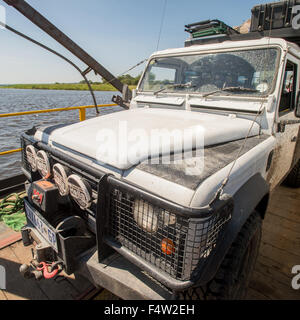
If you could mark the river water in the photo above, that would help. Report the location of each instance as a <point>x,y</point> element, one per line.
<point>16,100</point>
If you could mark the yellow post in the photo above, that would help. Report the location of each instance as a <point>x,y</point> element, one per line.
<point>10,151</point>
<point>14,114</point>
<point>81,109</point>
<point>81,114</point>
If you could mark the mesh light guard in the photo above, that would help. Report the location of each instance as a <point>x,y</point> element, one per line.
<point>194,239</point>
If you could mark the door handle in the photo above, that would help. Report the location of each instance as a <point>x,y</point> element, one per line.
<point>294,139</point>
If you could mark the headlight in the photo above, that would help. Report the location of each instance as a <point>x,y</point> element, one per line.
<point>80,191</point>
<point>31,157</point>
<point>43,164</point>
<point>60,175</point>
<point>145,215</point>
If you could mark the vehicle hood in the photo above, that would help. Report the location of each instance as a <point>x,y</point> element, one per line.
<point>124,139</point>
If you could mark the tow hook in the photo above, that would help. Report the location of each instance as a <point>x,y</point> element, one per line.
<point>40,270</point>
<point>55,268</point>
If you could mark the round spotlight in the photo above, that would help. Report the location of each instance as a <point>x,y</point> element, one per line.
<point>31,157</point>
<point>43,164</point>
<point>145,215</point>
<point>80,191</point>
<point>60,175</point>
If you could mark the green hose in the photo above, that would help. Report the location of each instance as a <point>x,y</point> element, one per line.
<point>12,211</point>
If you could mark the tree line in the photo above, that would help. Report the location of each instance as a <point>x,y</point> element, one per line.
<point>126,78</point>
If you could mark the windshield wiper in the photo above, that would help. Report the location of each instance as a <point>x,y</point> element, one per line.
<point>175,85</point>
<point>230,89</point>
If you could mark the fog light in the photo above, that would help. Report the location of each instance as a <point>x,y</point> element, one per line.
<point>145,215</point>
<point>167,246</point>
<point>31,157</point>
<point>43,164</point>
<point>60,175</point>
<point>80,191</point>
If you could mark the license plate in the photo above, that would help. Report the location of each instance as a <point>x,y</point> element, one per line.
<point>41,225</point>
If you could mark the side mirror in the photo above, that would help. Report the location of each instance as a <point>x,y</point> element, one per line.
<point>283,123</point>
<point>297,108</point>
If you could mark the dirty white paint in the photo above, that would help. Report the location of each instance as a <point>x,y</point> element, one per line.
<point>180,111</point>
<point>284,151</point>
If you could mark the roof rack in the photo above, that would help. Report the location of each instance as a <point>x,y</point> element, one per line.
<point>209,28</point>
<point>273,20</point>
<point>287,34</point>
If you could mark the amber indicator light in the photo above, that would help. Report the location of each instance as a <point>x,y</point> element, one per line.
<point>167,246</point>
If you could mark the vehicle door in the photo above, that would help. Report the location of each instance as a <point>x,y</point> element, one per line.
<point>287,137</point>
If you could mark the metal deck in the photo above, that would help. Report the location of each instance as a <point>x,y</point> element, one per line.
<point>280,248</point>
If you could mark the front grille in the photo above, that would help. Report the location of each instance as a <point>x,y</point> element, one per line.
<point>143,229</point>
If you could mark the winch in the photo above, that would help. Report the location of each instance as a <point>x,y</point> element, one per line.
<point>44,194</point>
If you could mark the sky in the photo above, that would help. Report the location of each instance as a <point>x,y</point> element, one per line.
<point>117,33</point>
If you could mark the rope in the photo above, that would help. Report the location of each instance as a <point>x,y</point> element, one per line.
<point>161,24</point>
<point>108,82</point>
<point>12,211</point>
<point>131,68</point>
<point>225,181</point>
<point>57,54</point>
<point>71,63</point>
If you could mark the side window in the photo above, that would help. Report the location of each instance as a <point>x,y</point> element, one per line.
<point>288,93</point>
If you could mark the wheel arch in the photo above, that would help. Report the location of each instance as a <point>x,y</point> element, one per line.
<point>262,206</point>
<point>253,195</point>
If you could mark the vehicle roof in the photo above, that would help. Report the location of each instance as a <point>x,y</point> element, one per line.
<point>285,45</point>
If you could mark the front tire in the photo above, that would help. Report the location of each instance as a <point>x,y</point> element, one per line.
<point>293,179</point>
<point>232,279</point>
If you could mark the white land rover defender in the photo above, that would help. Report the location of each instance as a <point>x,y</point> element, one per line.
<point>145,219</point>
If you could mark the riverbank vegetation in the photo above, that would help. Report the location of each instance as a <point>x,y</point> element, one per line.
<point>96,86</point>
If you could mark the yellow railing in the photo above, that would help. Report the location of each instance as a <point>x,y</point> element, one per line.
<point>81,109</point>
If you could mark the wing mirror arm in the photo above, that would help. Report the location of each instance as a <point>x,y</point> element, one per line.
<point>123,101</point>
<point>283,123</point>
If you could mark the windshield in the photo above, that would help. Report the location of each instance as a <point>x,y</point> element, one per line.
<point>209,73</point>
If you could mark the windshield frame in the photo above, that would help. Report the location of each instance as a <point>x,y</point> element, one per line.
<point>217,51</point>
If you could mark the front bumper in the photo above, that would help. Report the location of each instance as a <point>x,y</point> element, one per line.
<point>55,245</point>
<point>115,273</point>
<point>121,277</point>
